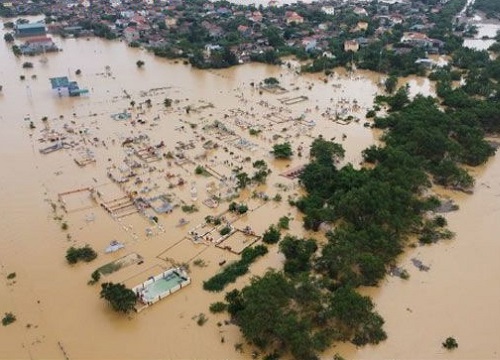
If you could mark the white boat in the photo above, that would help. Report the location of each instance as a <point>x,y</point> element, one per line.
<point>114,246</point>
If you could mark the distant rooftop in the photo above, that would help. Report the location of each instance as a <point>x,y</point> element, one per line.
<point>59,82</point>
<point>30,26</point>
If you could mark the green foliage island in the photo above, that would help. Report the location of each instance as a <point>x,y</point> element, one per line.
<point>374,211</point>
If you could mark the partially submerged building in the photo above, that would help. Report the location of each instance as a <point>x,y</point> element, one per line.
<point>62,86</point>
<point>160,286</point>
<point>38,45</point>
<point>34,29</point>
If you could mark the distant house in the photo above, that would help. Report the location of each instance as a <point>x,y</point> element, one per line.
<point>170,22</point>
<point>210,47</point>
<point>363,42</point>
<point>256,16</point>
<point>362,26</point>
<point>62,86</point>
<point>34,29</point>
<point>417,27</point>
<point>131,34</point>
<point>360,11</point>
<point>351,45</point>
<point>293,17</point>
<point>426,62</point>
<point>244,30</point>
<point>323,26</point>
<point>309,44</point>
<point>416,39</point>
<point>38,45</point>
<point>328,55</point>
<point>329,10</point>
<point>223,11</point>
<point>396,19</point>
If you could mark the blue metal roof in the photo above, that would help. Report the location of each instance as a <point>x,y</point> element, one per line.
<point>30,26</point>
<point>59,82</point>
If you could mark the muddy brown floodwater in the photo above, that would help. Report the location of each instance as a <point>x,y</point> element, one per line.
<point>57,312</point>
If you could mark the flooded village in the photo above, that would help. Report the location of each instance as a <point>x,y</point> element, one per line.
<point>143,167</point>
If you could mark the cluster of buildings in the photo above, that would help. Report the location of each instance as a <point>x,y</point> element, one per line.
<point>246,30</point>
<point>36,40</point>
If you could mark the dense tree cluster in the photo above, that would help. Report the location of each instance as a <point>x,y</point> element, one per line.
<point>438,141</point>
<point>118,296</point>
<point>234,270</point>
<point>374,210</point>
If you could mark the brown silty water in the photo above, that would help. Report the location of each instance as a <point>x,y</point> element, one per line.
<point>52,301</point>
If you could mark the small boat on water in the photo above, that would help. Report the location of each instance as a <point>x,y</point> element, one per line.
<point>114,246</point>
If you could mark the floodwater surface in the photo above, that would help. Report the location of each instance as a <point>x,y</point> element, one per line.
<point>57,311</point>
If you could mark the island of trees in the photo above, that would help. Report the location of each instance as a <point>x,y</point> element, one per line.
<point>376,211</point>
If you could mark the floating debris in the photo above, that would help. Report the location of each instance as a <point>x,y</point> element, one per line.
<point>420,265</point>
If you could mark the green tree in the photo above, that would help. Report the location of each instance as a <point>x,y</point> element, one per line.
<point>140,63</point>
<point>390,84</point>
<point>450,343</point>
<point>118,296</point>
<point>243,180</point>
<point>8,37</point>
<point>282,151</point>
<point>86,253</point>
<point>271,235</point>
<point>271,81</point>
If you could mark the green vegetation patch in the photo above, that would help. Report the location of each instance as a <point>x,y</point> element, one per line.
<point>86,253</point>
<point>234,270</point>
<point>110,268</point>
<point>8,319</point>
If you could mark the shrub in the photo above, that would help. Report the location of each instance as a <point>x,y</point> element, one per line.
<point>450,343</point>
<point>189,208</point>
<point>271,235</point>
<point>231,272</point>
<point>218,307</point>
<point>199,263</point>
<point>282,151</point>
<point>11,276</point>
<point>8,319</point>
<point>242,209</point>
<point>284,222</point>
<point>225,230</point>
<point>202,319</point>
<point>86,253</point>
<point>95,277</point>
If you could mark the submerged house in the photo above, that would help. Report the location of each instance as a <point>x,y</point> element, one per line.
<point>64,87</point>
<point>38,45</point>
<point>26,30</point>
